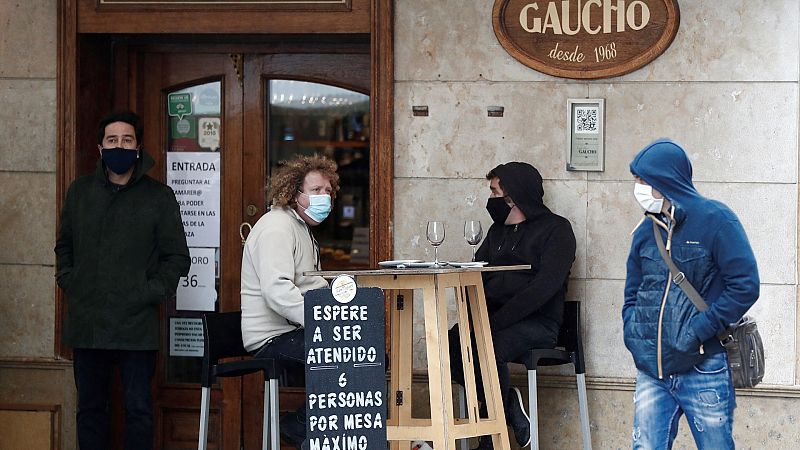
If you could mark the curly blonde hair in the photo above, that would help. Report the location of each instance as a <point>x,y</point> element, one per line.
<point>288,178</point>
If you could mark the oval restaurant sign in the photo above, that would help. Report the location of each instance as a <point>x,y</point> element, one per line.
<point>585,38</point>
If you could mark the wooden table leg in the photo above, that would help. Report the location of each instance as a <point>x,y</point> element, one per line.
<point>486,359</point>
<point>402,313</point>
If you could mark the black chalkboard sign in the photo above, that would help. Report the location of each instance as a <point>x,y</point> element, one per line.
<point>345,370</point>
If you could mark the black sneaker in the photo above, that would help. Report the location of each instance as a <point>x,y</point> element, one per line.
<point>518,418</point>
<point>293,431</point>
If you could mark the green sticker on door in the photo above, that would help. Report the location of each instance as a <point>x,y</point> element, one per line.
<point>180,105</point>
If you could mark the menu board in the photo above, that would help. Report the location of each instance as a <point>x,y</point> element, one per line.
<point>345,367</point>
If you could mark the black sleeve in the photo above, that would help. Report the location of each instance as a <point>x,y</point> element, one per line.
<point>173,259</point>
<point>64,243</point>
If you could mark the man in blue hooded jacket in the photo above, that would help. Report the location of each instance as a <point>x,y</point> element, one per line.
<point>682,367</point>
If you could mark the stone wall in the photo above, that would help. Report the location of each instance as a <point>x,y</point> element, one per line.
<point>27,177</point>
<point>32,381</point>
<point>727,89</point>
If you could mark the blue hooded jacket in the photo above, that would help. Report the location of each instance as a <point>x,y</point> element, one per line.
<point>663,330</point>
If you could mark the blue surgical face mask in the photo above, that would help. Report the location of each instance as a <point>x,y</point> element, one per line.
<point>118,159</point>
<point>319,206</point>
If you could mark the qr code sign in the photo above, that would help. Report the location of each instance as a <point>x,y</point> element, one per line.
<point>586,119</point>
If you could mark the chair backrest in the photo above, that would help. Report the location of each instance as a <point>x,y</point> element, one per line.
<point>222,336</point>
<point>569,336</point>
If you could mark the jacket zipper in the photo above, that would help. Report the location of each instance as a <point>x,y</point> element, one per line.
<point>660,319</point>
<point>659,363</point>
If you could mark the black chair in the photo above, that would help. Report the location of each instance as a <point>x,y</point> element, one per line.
<point>569,350</point>
<point>222,334</point>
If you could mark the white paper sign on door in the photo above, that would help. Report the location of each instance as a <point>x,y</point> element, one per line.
<point>196,291</point>
<point>195,178</point>
<point>186,336</point>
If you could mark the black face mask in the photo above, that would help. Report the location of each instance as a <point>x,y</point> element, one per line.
<point>119,160</point>
<point>498,209</point>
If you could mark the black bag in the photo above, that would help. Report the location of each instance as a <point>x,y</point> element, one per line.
<point>745,353</point>
<point>741,340</point>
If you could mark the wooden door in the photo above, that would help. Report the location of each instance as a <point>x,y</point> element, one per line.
<point>268,77</point>
<point>235,99</point>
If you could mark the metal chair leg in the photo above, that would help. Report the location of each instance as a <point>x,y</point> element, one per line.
<point>266,431</point>
<point>274,434</point>
<point>462,412</point>
<point>533,411</point>
<point>205,405</point>
<point>583,404</point>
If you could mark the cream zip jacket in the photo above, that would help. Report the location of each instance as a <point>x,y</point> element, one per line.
<point>278,250</point>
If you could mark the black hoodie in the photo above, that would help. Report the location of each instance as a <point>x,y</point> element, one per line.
<point>544,240</point>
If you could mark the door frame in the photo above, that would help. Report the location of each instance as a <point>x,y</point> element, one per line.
<point>75,125</point>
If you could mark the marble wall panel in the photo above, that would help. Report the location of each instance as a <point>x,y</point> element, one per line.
<point>28,295</point>
<point>735,40</point>
<point>457,200</point>
<point>28,221</point>
<point>606,354</point>
<point>760,423</point>
<point>732,132</point>
<point>769,216</point>
<point>449,200</point>
<point>452,40</point>
<point>612,213</point>
<point>776,315</point>
<point>458,140</point>
<point>27,129</point>
<point>28,41</point>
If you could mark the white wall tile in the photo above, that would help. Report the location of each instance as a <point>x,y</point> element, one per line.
<point>731,132</point>
<point>459,140</point>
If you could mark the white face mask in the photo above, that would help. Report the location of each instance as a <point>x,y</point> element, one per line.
<point>644,195</point>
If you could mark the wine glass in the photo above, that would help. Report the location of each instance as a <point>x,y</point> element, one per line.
<point>473,233</point>
<point>436,237</point>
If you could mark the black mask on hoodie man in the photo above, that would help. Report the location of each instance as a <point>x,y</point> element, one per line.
<point>498,209</point>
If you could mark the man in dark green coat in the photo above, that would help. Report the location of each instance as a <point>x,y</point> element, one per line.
<point>120,252</point>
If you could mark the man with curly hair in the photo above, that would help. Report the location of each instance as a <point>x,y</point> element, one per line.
<point>279,249</point>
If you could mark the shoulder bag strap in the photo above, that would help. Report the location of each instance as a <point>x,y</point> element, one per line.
<point>677,276</point>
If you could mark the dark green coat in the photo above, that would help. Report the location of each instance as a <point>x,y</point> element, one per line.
<point>119,254</point>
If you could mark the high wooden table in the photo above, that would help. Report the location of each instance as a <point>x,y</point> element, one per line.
<point>443,428</point>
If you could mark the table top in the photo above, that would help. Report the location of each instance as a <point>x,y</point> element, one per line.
<point>413,270</point>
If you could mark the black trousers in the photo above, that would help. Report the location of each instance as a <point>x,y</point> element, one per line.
<point>93,369</point>
<point>509,344</point>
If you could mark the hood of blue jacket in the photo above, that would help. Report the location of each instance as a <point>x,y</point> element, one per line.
<point>664,165</point>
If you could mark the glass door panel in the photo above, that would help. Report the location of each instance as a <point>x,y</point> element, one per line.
<point>313,118</point>
<point>194,132</point>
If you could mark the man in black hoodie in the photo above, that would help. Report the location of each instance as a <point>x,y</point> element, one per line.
<point>526,306</point>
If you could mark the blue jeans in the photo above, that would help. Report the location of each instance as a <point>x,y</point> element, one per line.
<point>93,369</point>
<point>704,393</point>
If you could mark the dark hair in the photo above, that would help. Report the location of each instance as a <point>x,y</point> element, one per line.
<point>128,117</point>
<point>491,175</point>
